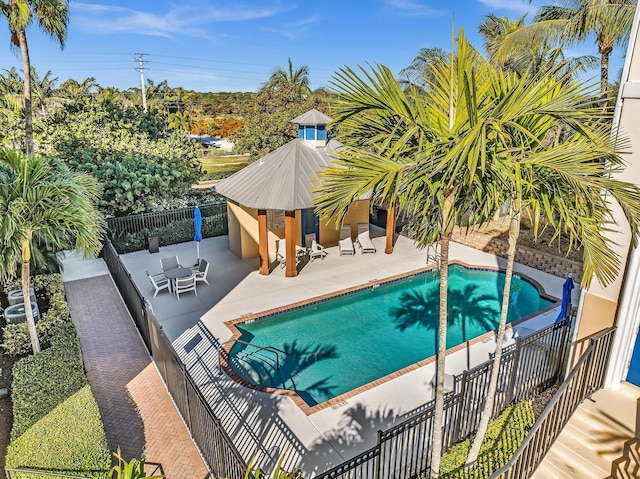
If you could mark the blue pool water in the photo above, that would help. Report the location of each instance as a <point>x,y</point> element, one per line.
<point>331,347</point>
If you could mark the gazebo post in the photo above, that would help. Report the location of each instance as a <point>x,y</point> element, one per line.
<point>290,237</point>
<point>263,246</point>
<point>391,227</point>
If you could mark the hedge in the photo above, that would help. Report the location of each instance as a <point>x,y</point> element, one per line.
<point>57,424</point>
<point>49,291</point>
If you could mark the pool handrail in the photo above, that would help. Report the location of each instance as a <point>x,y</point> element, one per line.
<point>271,349</point>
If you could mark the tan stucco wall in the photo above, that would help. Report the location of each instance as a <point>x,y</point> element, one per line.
<point>234,231</point>
<point>244,240</point>
<point>358,213</point>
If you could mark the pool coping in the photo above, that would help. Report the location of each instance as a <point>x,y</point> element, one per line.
<point>340,399</point>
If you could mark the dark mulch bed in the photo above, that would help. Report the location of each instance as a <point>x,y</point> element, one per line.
<point>541,400</point>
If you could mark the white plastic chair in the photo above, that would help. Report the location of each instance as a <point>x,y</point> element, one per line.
<point>317,250</point>
<point>200,271</point>
<point>281,252</point>
<point>184,285</point>
<point>158,281</point>
<point>345,245</point>
<point>364,240</point>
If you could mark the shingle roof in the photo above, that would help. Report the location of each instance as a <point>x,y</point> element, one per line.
<point>281,180</point>
<point>312,117</point>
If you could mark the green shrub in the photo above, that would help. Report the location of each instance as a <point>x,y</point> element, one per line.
<point>57,424</point>
<point>504,436</point>
<point>70,439</point>
<point>43,381</point>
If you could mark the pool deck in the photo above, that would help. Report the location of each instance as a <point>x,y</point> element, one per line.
<point>265,424</point>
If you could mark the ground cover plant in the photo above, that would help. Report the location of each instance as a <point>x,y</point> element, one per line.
<point>57,424</point>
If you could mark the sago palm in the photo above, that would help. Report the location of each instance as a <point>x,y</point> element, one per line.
<point>40,199</point>
<point>52,16</point>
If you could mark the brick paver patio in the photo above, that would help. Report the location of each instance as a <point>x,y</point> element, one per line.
<point>138,414</point>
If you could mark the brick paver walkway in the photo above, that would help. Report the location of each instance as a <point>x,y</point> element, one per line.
<point>137,411</point>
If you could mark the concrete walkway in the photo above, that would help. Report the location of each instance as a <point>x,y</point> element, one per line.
<point>137,412</point>
<point>600,441</point>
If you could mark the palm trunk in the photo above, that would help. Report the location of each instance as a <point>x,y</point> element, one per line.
<point>28,114</point>
<point>487,412</point>
<point>31,324</point>
<point>604,73</point>
<point>438,415</point>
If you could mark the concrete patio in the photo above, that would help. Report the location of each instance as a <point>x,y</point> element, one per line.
<point>266,424</point>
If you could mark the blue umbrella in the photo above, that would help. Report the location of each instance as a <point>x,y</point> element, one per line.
<point>566,298</point>
<point>197,225</point>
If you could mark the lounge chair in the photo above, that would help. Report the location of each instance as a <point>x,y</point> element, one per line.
<point>182,285</point>
<point>317,250</point>
<point>364,240</point>
<point>169,263</point>
<point>200,271</point>
<point>159,282</point>
<point>345,245</point>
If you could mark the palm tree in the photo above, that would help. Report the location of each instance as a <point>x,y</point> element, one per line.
<point>419,71</point>
<point>181,121</point>
<point>52,16</point>
<point>298,78</point>
<point>43,90</point>
<point>407,145</point>
<point>40,199</point>
<point>530,171</point>
<point>573,21</point>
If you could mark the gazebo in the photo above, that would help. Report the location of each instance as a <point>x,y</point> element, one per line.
<point>273,197</point>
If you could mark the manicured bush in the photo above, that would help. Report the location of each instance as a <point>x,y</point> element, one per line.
<point>57,424</point>
<point>504,436</point>
<point>54,312</point>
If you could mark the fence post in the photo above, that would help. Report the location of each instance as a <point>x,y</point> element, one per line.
<point>514,371</point>
<point>462,393</point>
<point>186,395</point>
<point>376,472</point>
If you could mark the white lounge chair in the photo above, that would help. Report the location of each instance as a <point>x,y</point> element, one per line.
<point>158,281</point>
<point>364,240</point>
<point>201,270</point>
<point>281,252</point>
<point>183,285</point>
<point>345,245</point>
<point>169,263</point>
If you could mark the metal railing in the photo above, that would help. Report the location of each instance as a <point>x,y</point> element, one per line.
<point>271,349</point>
<point>217,449</point>
<point>585,378</point>
<point>530,366</point>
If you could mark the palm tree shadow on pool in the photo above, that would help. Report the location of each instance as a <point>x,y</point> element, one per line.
<point>291,361</point>
<point>465,306</point>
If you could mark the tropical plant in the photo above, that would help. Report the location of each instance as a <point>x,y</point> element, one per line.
<point>394,140</point>
<point>254,472</point>
<point>74,90</point>
<point>298,79</point>
<point>419,71</point>
<point>43,90</point>
<point>133,469</point>
<point>570,22</point>
<point>52,16</point>
<point>39,197</point>
<point>181,121</point>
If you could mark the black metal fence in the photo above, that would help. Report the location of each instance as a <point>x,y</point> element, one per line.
<point>585,378</point>
<point>215,445</point>
<point>131,233</point>
<point>528,367</point>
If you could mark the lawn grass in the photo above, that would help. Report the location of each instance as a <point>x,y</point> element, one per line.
<point>228,163</point>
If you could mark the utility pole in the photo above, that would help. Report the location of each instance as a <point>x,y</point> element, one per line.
<point>141,63</point>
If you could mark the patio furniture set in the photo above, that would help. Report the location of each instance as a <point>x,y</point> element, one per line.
<point>177,279</point>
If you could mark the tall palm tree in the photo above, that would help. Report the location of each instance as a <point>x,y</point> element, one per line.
<point>43,200</point>
<point>52,16</point>
<point>419,71</point>
<point>570,22</point>
<point>404,144</point>
<point>43,90</point>
<point>298,78</point>
<point>530,171</point>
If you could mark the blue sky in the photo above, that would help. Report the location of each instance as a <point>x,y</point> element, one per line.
<point>233,45</point>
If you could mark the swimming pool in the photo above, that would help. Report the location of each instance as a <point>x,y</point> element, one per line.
<point>332,346</point>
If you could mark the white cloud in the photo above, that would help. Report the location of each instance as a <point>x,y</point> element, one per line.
<point>409,7</point>
<point>517,6</point>
<point>178,21</point>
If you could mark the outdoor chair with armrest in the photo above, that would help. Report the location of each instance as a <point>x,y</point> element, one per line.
<point>200,271</point>
<point>183,285</point>
<point>170,262</point>
<point>317,250</point>
<point>158,281</point>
